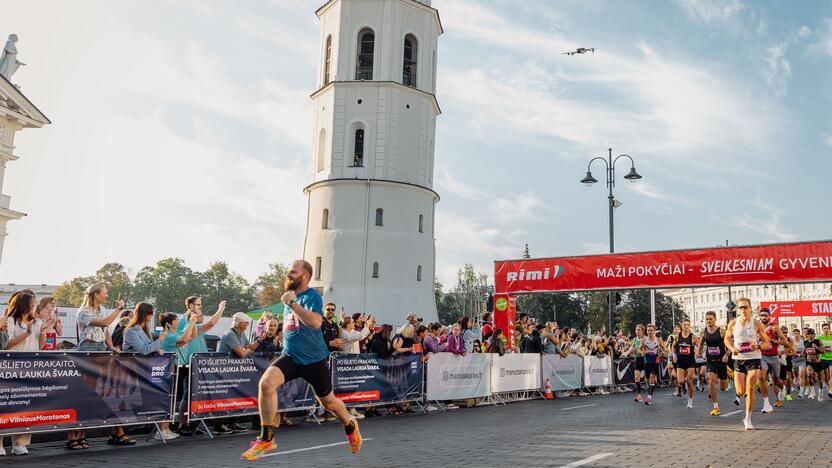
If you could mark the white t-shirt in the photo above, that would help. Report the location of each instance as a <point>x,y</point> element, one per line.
<point>18,329</point>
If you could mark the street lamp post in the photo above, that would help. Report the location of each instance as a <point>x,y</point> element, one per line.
<point>632,176</point>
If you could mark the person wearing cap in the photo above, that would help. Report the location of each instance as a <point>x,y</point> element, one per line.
<point>235,342</point>
<point>413,319</point>
<point>235,339</point>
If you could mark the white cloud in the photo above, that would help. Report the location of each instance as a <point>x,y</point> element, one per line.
<point>594,248</point>
<point>804,31</point>
<point>684,110</point>
<point>649,190</point>
<point>768,224</point>
<point>827,138</point>
<point>824,42</point>
<point>712,12</point>
<point>447,183</point>
<point>158,148</point>
<point>777,70</point>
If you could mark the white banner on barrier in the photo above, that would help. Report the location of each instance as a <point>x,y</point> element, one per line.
<point>597,371</point>
<point>563,373</point>
<point>515,372</point>
<point>453,377</point>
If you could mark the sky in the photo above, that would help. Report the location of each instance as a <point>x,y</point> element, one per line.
<point>184,128</point>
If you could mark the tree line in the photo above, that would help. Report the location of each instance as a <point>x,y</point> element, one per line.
<point>170,281</point>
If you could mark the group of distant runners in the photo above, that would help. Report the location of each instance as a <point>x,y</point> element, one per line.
<point>762,356</point>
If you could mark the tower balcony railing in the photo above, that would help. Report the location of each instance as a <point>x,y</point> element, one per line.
<point>364,73</point>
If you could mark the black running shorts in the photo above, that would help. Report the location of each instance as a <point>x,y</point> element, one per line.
<point>685,364</point>
<point>317,374</point>
<point>639,364</point>
<point>785,369</point>
<point>816,366</point>
<point>746,365</point>
<point>719,368</point>
<point>651,368</point>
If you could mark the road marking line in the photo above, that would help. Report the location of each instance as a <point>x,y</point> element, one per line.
<point>586,460</point>
<point>576,407</point>
<point>732,412</point>
<point>307,449</point>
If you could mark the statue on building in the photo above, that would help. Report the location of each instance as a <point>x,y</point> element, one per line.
<point>8,61</point>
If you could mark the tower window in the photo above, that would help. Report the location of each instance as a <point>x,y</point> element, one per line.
<point>379,217</point>
<point>317,268</point>
<point>325,219</point>
<point>358,154</point>
<point>366,49</point>
<point>328,60</point>
<point>409,61</point>
<point>321,150</point>
<point>419,273</point>
<point>375,269</point>
<point>421,223</point>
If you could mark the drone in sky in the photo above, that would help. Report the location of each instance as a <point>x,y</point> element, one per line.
<point>580,50</point>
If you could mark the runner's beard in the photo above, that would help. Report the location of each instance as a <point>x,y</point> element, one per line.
<point>291,284</point>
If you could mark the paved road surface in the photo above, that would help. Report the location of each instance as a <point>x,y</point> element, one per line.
<point>592,431</point>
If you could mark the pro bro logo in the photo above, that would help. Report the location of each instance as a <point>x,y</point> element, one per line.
<point>535,275</point>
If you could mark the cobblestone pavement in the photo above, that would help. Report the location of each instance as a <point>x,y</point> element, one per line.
<point>597,431</point>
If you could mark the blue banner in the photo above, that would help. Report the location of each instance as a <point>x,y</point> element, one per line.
<point>366,379</point>
<point>50,391</point>
<point>226,385</point>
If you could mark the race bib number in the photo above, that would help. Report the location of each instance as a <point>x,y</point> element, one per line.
<point>810,351</point>
<point>798,353</point>
<point>827,349</point>
<point>651,352</point>
<point>684,350</point>
<point>290,322</point>
<point>714,351</point>
<point>746,347</point>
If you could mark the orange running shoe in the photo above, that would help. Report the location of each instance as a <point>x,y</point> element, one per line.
<point>355,439</point>
<point>778,403</point>
<point>259,448</point>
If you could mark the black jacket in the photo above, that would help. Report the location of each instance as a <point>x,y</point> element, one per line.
<point>533,343</point>
<point>380,346</point>
<point>331,332</point>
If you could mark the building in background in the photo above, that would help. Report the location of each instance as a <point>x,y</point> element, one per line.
<point>16,113</point>
<point>697,301</point>
<point>41,290</point>
<point>370,221</point>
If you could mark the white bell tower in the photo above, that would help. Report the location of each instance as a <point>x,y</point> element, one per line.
<point>370,222</point>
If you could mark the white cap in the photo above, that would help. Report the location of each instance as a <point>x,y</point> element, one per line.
<point>240,317</point>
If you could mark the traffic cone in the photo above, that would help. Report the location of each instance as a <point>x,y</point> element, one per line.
<point>548,394</point>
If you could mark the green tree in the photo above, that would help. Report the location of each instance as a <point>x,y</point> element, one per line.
<point>115,277</point>
<point>597,313</point>
<point>221,284</point>
<point>569,308</point>
<point>71,293</point>
<point>635,309</point>
<point>445,307</point>
<point>167,284</point>
<point>269,285</point>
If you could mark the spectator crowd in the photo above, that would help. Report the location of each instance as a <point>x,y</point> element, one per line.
<point>30,324</point>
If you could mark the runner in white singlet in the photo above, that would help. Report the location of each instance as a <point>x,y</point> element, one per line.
<point>745,337</point>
